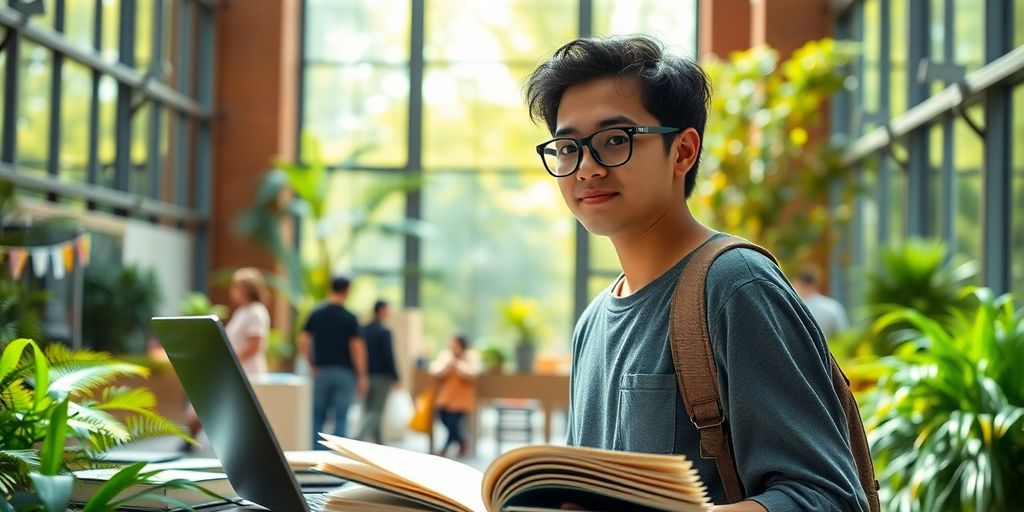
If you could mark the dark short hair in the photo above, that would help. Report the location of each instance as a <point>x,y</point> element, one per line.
<point>379,305</point>
<point>340,284</point>
<point>675,90</point>
<point>462,340</point>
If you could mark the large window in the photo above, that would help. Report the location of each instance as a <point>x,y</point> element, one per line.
<point>499,227</point>
<point>938,177</point>
<point>107,107</point>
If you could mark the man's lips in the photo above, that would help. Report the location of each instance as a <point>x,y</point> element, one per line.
<point>597,196</point>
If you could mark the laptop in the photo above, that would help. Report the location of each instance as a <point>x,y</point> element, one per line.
<point>231,416</point>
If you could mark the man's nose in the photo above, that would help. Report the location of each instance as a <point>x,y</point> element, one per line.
<point>589,166</point>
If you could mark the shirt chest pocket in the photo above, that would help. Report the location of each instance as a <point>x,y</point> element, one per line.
<point>646,419</point>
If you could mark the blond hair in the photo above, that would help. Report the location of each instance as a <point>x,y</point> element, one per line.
<point>252,281</point>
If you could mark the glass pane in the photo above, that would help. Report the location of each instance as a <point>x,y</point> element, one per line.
<point>898,53</point>
<point>869,236</point>
<point>107,129</point>
<point>76,91</point>
<point>139,179</point>
<point>969,40</point>
<point>33,134</point>
<point>111,42</point>
<point>505,235</point>
<point>513,31</point>
<point>1018,24</point>
<point>939,155</point>
<point>597,284</point>
<point>362,210</point>
<point>144,13</point>
<point>357,31</point>
<point>969,208</point>
<point>358,113</point>
<point>673,22</point>
<point>872,63</point>
<point>474,116</point>
<point>896,203</point>
<point>78,22</point>
<point>1017,200</point>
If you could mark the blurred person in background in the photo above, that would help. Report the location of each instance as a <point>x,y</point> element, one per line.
<point>456,369</point>
<point>828,312</point>
<point>337,359</point>
<point>383,375</point>
<point>248,330</point>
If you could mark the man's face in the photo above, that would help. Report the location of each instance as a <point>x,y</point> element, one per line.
<point>622,200</point>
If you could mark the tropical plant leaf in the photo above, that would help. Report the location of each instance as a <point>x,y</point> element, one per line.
<point>946,426</point>
<point>80,379</point>
<point>53,446</point>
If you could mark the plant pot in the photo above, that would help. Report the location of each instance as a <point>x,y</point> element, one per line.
<point>525,353</point>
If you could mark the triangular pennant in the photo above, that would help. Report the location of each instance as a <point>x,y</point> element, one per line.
<point>68,251</point>
<point>17,260</point>
<point>40,261</point>
<point>57,254</point>
<point>83,246</point>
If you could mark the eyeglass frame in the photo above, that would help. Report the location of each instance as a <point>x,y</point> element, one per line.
<point>631,132</point>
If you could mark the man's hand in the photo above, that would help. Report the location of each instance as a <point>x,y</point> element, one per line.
<point>362,384</point>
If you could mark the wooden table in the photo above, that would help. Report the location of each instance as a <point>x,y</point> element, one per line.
<point>550,389</point>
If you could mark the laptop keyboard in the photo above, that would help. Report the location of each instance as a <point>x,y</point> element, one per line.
<point>316,502</point>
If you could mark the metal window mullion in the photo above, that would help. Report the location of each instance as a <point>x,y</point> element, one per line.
<point>53,154</point>
<point>997,236</point>
<point>9,144</point>
<point>857,234</point>
<point>183,78</point>
<point>153,157</point>
<point>414,161</point>
<point>918,196</point>
<point>949,202</point>
<point>92,160</point>
<point>204,144</point>
<point>123,122</point>
<point>884,182</point>
<point>840,121</point>
<point>581,292</point>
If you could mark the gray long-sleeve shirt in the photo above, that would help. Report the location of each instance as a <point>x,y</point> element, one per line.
<point>787,426</point>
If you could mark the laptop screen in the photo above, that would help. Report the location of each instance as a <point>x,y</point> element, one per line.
<point>239,432</point>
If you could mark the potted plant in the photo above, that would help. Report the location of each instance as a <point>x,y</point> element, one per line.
<point>50,396</point>
<point>519,313</point>
<point>493,358</point>
<point>946,421</point>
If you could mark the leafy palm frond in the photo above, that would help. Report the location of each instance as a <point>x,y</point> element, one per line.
<point>14,465</point>
<point>121,398</point>
<point>82,378</point>
<point>96,422</point>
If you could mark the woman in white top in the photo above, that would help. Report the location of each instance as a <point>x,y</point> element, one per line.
<point>249,327</point>
<point>248,331</point>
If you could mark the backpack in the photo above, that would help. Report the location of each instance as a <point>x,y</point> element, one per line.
<point>697,375</point>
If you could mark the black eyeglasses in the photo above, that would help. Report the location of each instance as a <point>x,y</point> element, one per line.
<point>611,147</point>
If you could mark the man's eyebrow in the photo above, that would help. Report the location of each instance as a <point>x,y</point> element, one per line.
<point>604,123</point>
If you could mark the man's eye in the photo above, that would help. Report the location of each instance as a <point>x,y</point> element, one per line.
<point>617,140</point>
<point>567,149</point>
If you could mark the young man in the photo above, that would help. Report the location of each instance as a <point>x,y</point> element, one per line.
<point>336,356</point>
<point>380,356</point>
<point>628,120</point>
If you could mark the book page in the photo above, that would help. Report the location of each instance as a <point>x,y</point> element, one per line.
<point>438,475</point>
<point>359,498</point>
<point>664,481</point>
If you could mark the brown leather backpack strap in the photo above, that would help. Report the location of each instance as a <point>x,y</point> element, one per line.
<point>692,355</point>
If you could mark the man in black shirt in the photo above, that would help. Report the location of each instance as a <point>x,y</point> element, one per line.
<point>383,375</point>
<point>337,358</point>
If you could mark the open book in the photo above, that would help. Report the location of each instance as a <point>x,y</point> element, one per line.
<point>529,478</point>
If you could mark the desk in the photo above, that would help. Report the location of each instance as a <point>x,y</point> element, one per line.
<point>550,389</point>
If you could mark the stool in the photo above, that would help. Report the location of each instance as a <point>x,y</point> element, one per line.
<point>515,422</point>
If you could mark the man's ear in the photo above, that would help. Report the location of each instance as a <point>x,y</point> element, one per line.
<point>687,148</point>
